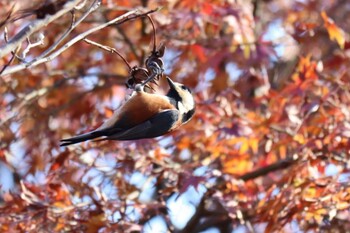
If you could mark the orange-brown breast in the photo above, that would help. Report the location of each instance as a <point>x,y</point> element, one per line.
<point>139,108</point>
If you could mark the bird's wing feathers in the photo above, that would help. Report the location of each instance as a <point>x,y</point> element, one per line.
<point>144,115</point>
<point>137,109</point>
<point>81,138</point>
<point>156,126</point>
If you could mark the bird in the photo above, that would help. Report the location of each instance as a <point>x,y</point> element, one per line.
<point>145,115</point>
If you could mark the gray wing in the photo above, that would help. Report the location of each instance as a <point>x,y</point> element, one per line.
<point>156,126</point>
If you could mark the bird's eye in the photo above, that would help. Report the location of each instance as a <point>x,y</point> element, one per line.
<point>186,89</point>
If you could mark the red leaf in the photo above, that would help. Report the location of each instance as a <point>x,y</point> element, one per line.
<point>59,161</point>
<point>199,52</point>
<point>186,181</point>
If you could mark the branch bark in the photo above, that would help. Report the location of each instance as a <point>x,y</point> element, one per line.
<point>33,27</point>
<point>198,223</point>
<point>119,20</point>
<point>282,164</point>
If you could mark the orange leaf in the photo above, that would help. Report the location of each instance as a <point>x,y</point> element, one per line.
<point>237,166</point>
<point>59,161</point>
<point>254,145</point>
<point>184,143</point>
<point>60,224</point>
<point>199,52</point>
<point>283,151</point>
<point>61,195</point>
<point>159,154</point>
<point>108,112</point>
<point>335,32</point>
<point>299,138</point>
<point>95,223</point>
<point>244,146</point>
<point>207,8</point>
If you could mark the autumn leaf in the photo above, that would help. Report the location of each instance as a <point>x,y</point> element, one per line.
<point>60,159</point>
<point>236,166</point>
<point>199,52</point>
<point>108,112</point>
<point>184,143</point>
<point>335,32</point>
<point>186,181</point>
<point>267,148</point>
<point>246,47</point>
<point>95,223</point>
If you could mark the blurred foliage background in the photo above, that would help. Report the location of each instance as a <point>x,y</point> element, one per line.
<point>268,147</point>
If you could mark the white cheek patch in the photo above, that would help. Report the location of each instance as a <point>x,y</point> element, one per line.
<point>181,107</point>
<point>187,104</point>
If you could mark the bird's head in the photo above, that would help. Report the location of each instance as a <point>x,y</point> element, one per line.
<point>182,98</point>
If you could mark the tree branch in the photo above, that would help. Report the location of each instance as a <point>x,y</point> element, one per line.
<point>219,219</point>
<point>92,8</point>
<point>109,49</point>
<point>282,164</point>
<point>209,213</point>
<point>33,27</point>
<point>119,20</point>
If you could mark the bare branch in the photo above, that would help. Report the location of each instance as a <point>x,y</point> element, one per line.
<point>33,27</point>
<point>282,164</point>
<point>109,49</point>
<point>121,19</point>
<point>6,35</point>
<point>40,41</point>
<point>74,24</point>
<point>154,33</point>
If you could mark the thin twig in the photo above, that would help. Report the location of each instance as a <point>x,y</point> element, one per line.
<point>14,55</point>
<point>33,27</point>
<point>92,8</point>
<point>8,16</point>
<point>40,41</point>
<point>35,94</point>
<point>119,20</point>
<point>154,34</point>
<point>73,19</point>
<point>6,35</point>
<point>7,65</point>
<point>282,164</point>
<point>109,49</point>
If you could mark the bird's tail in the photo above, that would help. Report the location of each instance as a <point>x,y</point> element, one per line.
<point>81,138</point>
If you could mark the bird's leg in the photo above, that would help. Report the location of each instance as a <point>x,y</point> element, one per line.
<point>155,67</point>
<point>139,87</point>
<point>150,78</point>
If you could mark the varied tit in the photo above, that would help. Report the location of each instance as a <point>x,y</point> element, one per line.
<point>145,115</point>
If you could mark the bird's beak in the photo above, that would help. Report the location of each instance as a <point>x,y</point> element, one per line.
<point>171,83</point>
